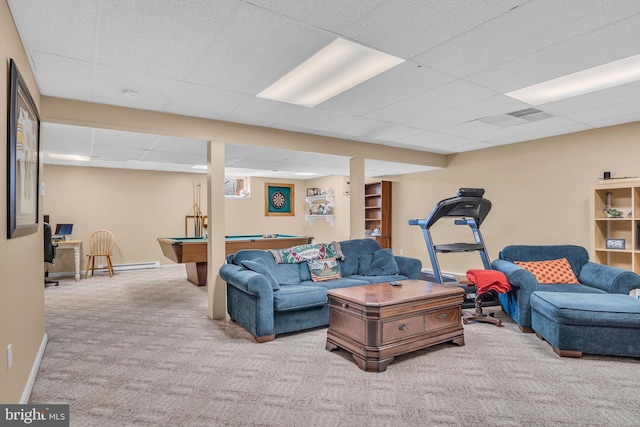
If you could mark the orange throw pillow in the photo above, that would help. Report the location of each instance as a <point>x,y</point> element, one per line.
<point>552,271</point>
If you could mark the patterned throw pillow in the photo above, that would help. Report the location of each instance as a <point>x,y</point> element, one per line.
<point>302,253</point>
<point>324,269</point>
<point>551,271</point>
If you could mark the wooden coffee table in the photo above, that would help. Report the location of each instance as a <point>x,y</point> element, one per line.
<point>377,322</point>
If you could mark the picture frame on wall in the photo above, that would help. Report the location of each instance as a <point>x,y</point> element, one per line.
<point>23,158</point>
<point>279,199</point>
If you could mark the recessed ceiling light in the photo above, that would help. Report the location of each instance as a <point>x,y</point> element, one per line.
<point>336,68</point>
<point>129,93</point>
<point>304,173</point>
<point>72,157</point>
<point>601,77</point>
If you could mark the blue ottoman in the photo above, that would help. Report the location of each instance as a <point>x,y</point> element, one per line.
<point>574,323</point>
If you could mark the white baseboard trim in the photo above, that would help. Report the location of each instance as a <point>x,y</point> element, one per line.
<point>34,371</point>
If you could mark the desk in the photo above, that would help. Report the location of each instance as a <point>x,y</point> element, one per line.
<point>75,245</point>
<point>192,251</point>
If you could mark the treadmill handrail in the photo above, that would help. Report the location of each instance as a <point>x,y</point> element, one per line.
<point>459,207</point>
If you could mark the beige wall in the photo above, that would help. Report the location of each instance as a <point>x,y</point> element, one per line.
<point>21,258</point>
<point>140,206</point>
<point>539,191</point>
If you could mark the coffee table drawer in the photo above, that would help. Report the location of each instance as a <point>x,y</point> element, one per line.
<point>402,328</point>
<point>443,319</point>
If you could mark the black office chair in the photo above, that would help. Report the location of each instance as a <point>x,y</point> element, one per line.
<point>49,253</point>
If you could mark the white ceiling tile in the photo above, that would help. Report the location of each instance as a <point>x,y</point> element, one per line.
<point>443,98</point>
<point>332,15</point>
<point>399,83</point>
<point>630,111</point>
<point>523,30</point>
<point>406,28</point>
<point>171,157</point>
<point>499,104</point>
<point>538,134</point>
<point>63,77</point>
<point>394,133</point>
<point>161,37</point>
<point>543,127</point>
<point>601,98</point>
<point>616,41</point>
<point>180,145</point>
<point>254,49</point>
<point>201,101</point>
<point>74,22</point>
<point>357,127</point>
<point>424,139</point>
<point>314,119</point>
<point>57,134</point>
<point>468,128</point>
<point>452,143</point>
<point>117,153</point>
<point>121,139</point>
<point>153,92</point>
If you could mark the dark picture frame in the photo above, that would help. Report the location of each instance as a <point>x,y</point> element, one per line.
<point>615,244</point>
<point>279,199</point>
<point>23,158</point>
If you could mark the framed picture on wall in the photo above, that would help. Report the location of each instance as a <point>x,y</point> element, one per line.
<point>23,158</point>
<point>279,199</point>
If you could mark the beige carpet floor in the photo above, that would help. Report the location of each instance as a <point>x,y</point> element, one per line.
<point>139,350</point>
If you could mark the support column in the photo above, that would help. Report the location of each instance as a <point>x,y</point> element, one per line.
<point>217,304</point>
<point>356,201</point>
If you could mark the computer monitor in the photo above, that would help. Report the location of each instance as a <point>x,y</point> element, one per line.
<point>64,229</point>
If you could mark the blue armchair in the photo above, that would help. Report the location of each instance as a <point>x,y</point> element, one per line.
<point>593,278</point>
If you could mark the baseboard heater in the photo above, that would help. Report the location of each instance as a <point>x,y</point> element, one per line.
<point>135,266</point>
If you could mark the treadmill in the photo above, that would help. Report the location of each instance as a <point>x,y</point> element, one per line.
<point>470,208</point>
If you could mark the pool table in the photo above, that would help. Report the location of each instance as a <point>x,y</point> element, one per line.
<point>192,251</point>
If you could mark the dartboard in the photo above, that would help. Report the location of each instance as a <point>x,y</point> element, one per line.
<point>278,200</point>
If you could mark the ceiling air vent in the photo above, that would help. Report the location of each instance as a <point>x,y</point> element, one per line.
<point>516,118</point>
<point>530,114</point>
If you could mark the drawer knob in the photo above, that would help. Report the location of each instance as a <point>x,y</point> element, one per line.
<point>404,327</point>
<point>345,305</point>
<point>442,316</point>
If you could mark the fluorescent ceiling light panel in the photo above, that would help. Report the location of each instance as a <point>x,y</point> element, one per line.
<point>72,157</point>
<point>336,68</point>
<point>614,73</point>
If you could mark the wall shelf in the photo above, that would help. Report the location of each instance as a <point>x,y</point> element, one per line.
<point>321,207</point>
<point>377,211</point>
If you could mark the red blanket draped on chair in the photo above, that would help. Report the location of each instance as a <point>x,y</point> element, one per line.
<point>487,280</point>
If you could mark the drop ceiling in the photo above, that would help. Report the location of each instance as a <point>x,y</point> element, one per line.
<point>210,59</point>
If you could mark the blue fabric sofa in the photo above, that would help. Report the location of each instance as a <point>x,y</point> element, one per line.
<point>283,298</point>
<point>593,278</point>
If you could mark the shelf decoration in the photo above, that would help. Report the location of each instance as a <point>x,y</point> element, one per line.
<point>321,206</point>
<point>615,244</point>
